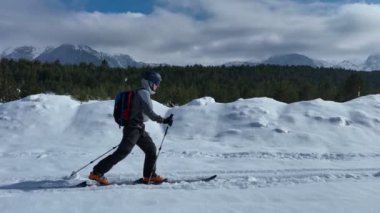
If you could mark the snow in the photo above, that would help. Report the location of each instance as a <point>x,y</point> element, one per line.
<point>311,156</point>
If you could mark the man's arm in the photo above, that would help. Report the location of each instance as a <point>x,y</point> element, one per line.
<point>146,103</point>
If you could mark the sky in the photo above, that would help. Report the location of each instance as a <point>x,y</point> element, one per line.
<point>205,32</point>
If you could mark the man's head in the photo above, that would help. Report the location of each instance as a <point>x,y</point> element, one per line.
<point>151,81</point>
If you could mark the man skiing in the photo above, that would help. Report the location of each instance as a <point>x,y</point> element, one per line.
<point>134,133</point>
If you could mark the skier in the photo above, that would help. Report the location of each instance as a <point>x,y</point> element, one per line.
<point>134,133</point>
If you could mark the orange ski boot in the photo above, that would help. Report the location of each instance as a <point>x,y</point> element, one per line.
<point>155,179</point>
<point>98,178</point>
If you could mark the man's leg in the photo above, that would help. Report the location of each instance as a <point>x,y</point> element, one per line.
<point>146,144</point>
<point>130,137</point>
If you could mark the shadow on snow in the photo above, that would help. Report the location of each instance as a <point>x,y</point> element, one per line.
<point>38,185</point>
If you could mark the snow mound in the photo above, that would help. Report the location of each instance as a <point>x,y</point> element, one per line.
<point>202,101</point>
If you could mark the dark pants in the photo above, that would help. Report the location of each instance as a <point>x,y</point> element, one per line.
<point>131,136</point>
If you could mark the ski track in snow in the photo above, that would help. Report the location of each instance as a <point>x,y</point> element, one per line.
<point>227,179</point>
<point>231,155</point>
<point>239,179</point>
<point>277,155</point>
<point>269,178</point>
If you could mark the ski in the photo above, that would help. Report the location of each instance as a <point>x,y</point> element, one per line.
<point>203,179</point>
<point>140,181</point>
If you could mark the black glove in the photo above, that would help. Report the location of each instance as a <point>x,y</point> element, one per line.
<point>168,120</point>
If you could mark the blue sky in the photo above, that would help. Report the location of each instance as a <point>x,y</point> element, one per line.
<point>206,32</point>
<point>146,6</point>
<point>124,6</point>
<point>111,6</point>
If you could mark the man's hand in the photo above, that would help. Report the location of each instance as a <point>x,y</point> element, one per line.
<point>168,120</point>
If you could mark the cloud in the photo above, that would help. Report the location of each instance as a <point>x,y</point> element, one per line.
<point>201,31</point>
<point>357,26</point>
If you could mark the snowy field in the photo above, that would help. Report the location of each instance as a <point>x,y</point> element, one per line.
<point>314,156</point>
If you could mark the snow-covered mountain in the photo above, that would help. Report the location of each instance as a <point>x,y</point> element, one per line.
<point>76,54</point>
<point>240,63</point>
<point>123,60</point>
<point>348,65</point>
<point>71,54</point>
<point>24,52</point>
<point>291,59</point>
<point>372,63</point>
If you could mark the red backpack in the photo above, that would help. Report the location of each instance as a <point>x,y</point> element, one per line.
<point>123,107</point>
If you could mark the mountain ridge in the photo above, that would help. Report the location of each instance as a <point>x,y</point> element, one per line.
<point>372,63</point>
<point>71,54</point>
<point>76,54</point>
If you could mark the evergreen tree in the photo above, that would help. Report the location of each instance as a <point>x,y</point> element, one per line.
<point>352,86</point>
<point>182,84</point>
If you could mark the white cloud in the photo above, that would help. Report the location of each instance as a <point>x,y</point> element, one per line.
<point>201,31</point>
<point>358,27</point>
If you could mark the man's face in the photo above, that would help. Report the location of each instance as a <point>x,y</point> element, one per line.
<point>155,86</point>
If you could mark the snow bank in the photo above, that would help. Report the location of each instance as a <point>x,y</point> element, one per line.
<point>269,156</point>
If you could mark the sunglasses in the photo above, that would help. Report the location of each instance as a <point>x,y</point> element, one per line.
<point>156,83</point>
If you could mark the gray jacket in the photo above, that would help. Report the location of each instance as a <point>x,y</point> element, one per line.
<point>142,109</point>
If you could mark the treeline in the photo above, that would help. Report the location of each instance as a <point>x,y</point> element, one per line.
<point>182,84</point>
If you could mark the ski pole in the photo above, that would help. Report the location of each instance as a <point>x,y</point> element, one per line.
<point>158,154</point>
<point>75,172</point>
